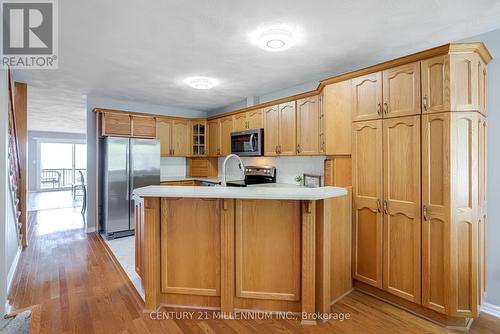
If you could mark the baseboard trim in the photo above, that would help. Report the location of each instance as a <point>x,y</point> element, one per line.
<point>491,309</point>
<point>13,268</point>
<point>90,229</point>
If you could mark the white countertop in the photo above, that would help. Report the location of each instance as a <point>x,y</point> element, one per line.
<point>269,191</point>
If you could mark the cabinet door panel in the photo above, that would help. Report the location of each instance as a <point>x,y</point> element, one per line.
<point>226,127</point>
<point>240,122</point>
<point>401,152</point>
<point>116,124</point>
<point>271,129</point>
<point>254,119</point>
<point>402,91</point>
<point>367,186</point>
<point>464,82</point>
<point>436,210</point>
<point>164,134</point>
<point>482,87</point>
<point>143,126</point>
<point>436,84</point>
<point>308,126</point>
<point>214,138</point>
<point>181,138</point>
<point>367,97</point>
<point>287,131</point>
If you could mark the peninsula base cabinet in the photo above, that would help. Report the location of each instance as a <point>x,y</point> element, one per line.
<point>432,253</point>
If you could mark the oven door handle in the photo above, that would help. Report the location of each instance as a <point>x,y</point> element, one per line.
<point>253,142</point>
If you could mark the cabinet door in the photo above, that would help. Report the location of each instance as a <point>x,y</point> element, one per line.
<point>254,119</point>
<point>401,91</point>
<point>435,84</point>
<point>464,82</point>
<point>240,122</point>
<point>181,138</point>
<point>214,138</point>
<point>143,126</point>
<point>367,186</point>
<point>482,203</point>
<point>435,210</point>
<point>337,110</point>
<point>308,126</point>
<point>287,132</point>
<point>116,124</point>
<point>401,205</point>
<point>367,97</point>
<point>483,88</point>
<point>164,134</point>
<point>226,127</point>
<point>271,127</point>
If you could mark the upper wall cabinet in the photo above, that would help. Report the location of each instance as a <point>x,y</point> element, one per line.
<point>392,93</point>
<point>456,82</point>
<point>143,126</point>
<point>226,127</point>
<point>335,119</point>
<point>308,123</point>
<point>401,91</point>
<point>271,128</point>
<point>174,136</point>
<point>248,120</point>
<point>367,97</point>
<point>214,137</point>
<point>164,134</point>
<point>116,124</point>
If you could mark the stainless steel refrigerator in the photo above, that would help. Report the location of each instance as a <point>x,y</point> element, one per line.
<point>125,164</point>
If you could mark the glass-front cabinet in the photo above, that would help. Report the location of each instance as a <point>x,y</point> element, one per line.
<point>199,140</point>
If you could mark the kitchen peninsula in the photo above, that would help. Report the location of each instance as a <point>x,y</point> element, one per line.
<point>244,248</point>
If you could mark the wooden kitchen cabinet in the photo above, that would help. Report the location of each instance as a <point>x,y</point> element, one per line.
<point>482,192</point>
<point>164,134</point>
<point>202,167</point>
<point>367,176</point>
<point>248,120</point>
<point>367,97</point>
<point>116,124</point>
<point>401,91</point>
<point>401,207</point>
<point>271,129</point>
<point>181,138</point>
<point>143,126</point>
<point>226,127</point>
<point>214,136</point>
<point>335,119</point>
<point>482,87</point>
<point>240,122</point>
<point>308,126</point>
<point>139,236</point>
<point>435,84</point>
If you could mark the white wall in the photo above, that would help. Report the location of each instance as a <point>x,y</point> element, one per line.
<point>8,238</point>
<point>100,102</point>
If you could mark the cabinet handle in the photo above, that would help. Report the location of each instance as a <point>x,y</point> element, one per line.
<point>378,206</point>
<point>379,109</point>
<point>298,148</point>
<point>385,207</point>
<point>276,149</point>
<point>279,149</point>
<point>386,108</point>
<point>425,102</point>
<point>424,209</point>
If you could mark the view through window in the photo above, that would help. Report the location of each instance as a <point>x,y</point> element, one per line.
<point>60,164</point>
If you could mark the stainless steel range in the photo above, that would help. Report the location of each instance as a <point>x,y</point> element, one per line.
<point>255,175</point>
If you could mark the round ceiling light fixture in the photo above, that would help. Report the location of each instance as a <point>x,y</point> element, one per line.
<point>201,82</point>
<point>275,40</point>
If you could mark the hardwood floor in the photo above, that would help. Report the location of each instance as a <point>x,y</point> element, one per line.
<point>71,277</point>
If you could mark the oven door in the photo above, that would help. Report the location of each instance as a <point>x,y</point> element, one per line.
<point>247,143</point>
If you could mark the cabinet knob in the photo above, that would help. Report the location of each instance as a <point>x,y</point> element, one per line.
<point>379,109</point>
<point>425,102</point>
<point>298,148</point>
<point>424,210</point>
<point>386,108</point>
<point>378,206</point>
<point>385,207</point>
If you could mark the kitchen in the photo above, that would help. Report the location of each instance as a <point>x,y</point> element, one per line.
<point>248,174</point>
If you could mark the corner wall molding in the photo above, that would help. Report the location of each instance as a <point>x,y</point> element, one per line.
<point>491,309</point>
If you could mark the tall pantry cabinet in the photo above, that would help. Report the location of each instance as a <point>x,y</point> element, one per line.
<point>419,180</point>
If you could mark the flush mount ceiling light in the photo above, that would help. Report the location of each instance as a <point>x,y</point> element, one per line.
<point>201,82</point>
<point>277,37</point>
<point>276,40</point>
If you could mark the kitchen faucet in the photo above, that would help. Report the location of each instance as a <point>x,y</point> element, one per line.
<point>240,165</point>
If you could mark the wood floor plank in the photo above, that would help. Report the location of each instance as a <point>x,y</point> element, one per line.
<point>78,287</point>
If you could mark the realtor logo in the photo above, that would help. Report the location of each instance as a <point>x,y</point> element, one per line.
<point>29,34</point>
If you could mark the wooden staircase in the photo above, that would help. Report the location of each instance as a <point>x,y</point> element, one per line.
<point>18,197</point>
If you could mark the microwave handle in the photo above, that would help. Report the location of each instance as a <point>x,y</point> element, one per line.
<point>253,142</point>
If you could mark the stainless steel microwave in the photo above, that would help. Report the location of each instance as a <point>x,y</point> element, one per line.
<point>248,143</point>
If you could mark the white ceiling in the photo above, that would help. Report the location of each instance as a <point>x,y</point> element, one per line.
<point>142,50</point>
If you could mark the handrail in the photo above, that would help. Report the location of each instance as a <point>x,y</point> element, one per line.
<point>13,127</point>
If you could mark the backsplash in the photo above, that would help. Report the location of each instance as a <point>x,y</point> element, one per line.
<point>287,167</point>
<point>172,166</point>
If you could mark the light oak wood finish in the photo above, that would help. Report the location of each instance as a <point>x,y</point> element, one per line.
<point>401,91</point>
<point>226,127</point>
<point>335,125</point>
<point>436,84</point>
<point>308,126</point>
<point>482,192</point>
<point>240,122</point>
<point>401,207</point>
<point>287,132</point>
<point>265,227</point>
<point>139,236</point>
<point>227,255</point>
<point>482,86</point>
<point>367,176</point>
<point>464,82</point>
<point>92,294</point>
<point>202,167</point>
<point>308,276</point>
<point>151,272</point>
<point>338,171</point>
<point>143,126</point>
<point>116,124</point>
<point>255,119</point>
<point>190,246</point>
<point>181,138</point>
<point>271,130</point>
<point>367,97</point>
<point>199,138</point>
<point>21,116</point>
<point>214,138</point>
<point>164,134</point>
